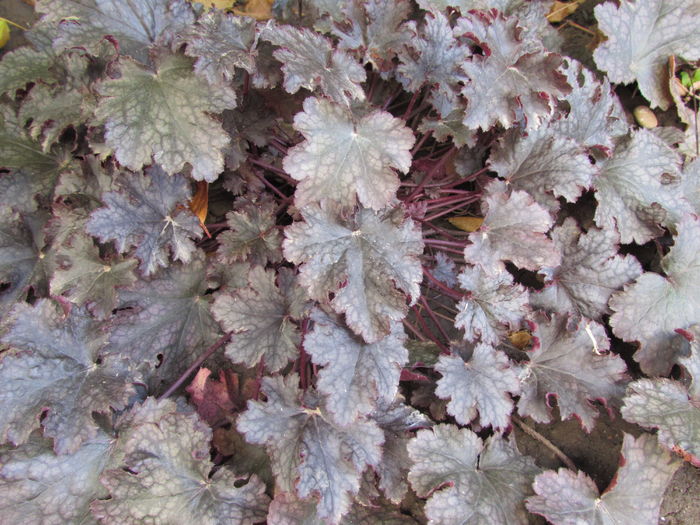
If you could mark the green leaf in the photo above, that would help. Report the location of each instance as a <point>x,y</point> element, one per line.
<point>164,117</point>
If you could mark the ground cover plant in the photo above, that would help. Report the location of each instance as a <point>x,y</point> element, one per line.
<point>312,262</point>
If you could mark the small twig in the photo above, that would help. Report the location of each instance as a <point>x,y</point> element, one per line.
<point>547,443</point>
<point>194,366</point>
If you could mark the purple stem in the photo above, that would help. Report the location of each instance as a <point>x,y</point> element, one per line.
<point>206,355</point>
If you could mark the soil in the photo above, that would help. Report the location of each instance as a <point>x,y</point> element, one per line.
<point>597,453</point>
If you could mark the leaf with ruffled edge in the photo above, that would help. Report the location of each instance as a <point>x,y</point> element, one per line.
<point>30,63</point>
<point>310,454</point>
<point>136,26</point>
<point>641,36</point>
<point>494,304</point>
<point>309,61</point>
<point>375,30</point>
<point>85,278</point>
<point>39,486</point>
<point>369,260</point>
<point>638,189</point>
<point>671,406</point>
<point>544,164</point>
<point>654,306</point>
<point>514,229</point>
<point>260,317</point>
<point>148,213</point>
<point>591,271</point>
<point>355,375</point>
<point>478,385</point>
<point>514,81</point>
<point>252,235</point>
<point>634,496</point>
<point>164,321</point>
<point>433,56</point>
<point>347,154</point>
<point>468,481</point>
<point>59,364</point>
<point>166,477</point>
<point>164,117</point>
<point>573,365</point>
<point>221,43</point>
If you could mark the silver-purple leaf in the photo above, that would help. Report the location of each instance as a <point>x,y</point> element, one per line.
<point>310,454</point>
<point>309,61</point>
<point>165,477</point>
<point>640,37</point>
<point>468,481</point>
<point>514,229</point>
<point>136,26</point>
<point>544,164</point>
<point>654,306</point>
<point>147,213</point>
<point>568,498</point>
<point>369,260</point>
<point>261,318</point>
<point>573,365</point>
<point>39,486</point>
<point>221,43</point>
<point>638,188</point>
<point>356,376</point>
<point>479,386</point>
<point>348,156</point>
<point>514,81</point>
<point>591,271</point>
<point>494,304</point>
<point>57,365</point>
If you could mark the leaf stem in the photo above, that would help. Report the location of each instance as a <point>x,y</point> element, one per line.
<point>547,443</point>
<point>454,294</point>
<point>194,366</point>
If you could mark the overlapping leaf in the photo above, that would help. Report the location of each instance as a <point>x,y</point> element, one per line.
<point>641,36</point>
<point>164,321</point>
<point>468,481</point>
<point>571,364</point>
<point>433,56</point>
<point>348,154</point>
<point>221,43</point>
<point>544,164</point>
<point>670,406</point>
<point>163,116</point>
<point>492,306</point>
<point>590,271</point>
<point>654,306</point>
<point>261,317</point>
<point>252,236</point>
<point>310,454</point>
<point>166,476</point>
<point>85,278</point>
<point>356,376</point>
<point>375,30</point>
<point>514,81</point>
<point>514,229</point>
<point>309,61</point>
<point>478,384</point>
<point>148,214</point>
<point>136,26</point>
<point>368,260</point>
<point>634,496</point>
<point>638,188</point>
<point>29,63</point>
<point>59,364</point>
<point>39,486</point>
<point>397,420</point>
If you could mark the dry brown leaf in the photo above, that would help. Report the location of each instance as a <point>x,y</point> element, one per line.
<point>467,224</point>
<point>560,10</point>
<point>258,9</point>
<point>520,339</point>
<point>199,204</point>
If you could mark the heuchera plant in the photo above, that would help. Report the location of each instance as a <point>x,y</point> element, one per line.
<point>343,218</point>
